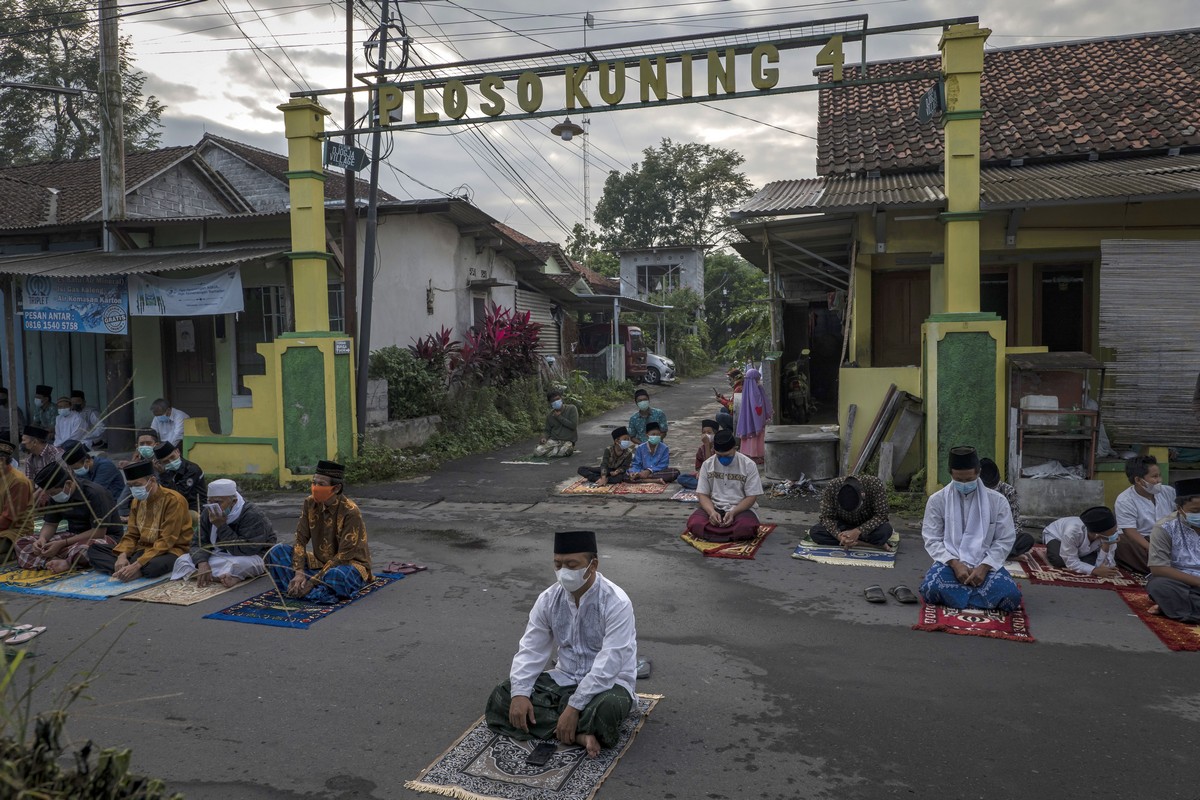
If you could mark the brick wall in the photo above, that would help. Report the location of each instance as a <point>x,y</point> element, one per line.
<point>263,191</point>
<point>179,192</point>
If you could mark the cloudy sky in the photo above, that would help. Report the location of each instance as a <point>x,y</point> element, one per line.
<point>224,65</point>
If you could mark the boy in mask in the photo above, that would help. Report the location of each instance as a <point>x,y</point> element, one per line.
<point>1174,584</point>
<point>562,428</point>
<point>1138,508</point>
<point>181,475</point>
<point>652,459</point>
<point>159,530</point>
<point>589,691</point>
<point>87,509</point>
<point>96,469</point>
<point>644,416</point>
<point>340,561</point>
<point>615,463</point>
<point>708,429</point>
<point>727,488</point>
<point>1086,544</point>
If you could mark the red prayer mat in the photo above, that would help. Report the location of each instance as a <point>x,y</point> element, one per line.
<point>1039,570</point>
<point>1174,634</point>
<point>975,622</point>
<point>743,549</point>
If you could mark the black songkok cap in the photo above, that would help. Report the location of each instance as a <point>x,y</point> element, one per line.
<point>617,433</point>
<point>574,542</point>
<point>138,469</point>
<point>331,469</point>
<point>653,426</point>
<point>849,496</point>
<point>1099,519</point>
<point>989,472</point>
<point>76,393</point>
<point>963,458</point>
<point>73,452</point>
<point>50,476</point>
<point>44,391</point>
<point>36,432</point>
<point>163,450</point>
<point>724,440</point>
<point>710,423</point>
<point>1185,488</point>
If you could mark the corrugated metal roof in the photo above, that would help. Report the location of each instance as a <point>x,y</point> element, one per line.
<point>1000,187</point>
<point>130,262</point>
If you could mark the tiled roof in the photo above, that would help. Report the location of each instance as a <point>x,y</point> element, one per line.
<point>598,283</point>
<point>1119,95</point>
<point>567,280</point>
<point>22,200</point>
<point>1115,179</point>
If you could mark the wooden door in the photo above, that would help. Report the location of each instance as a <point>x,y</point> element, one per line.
<point>899,305</point>
<point>190,367</point>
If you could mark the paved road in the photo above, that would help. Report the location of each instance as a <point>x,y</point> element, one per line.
<point>780,681</point>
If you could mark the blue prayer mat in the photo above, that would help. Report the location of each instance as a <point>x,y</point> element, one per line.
<point>272,607</point>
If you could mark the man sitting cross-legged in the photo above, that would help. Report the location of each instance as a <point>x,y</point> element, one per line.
<point>589,620</point>
<point>616,461</point>
<point>968,531</point>
<point>340,561</point>
<point>727,489</point>
<point>708,429</point>
<point>159,529</point>
<point>231,540</point>
<point>1086,544</point>
<point>652,459</point>
<point>854,511</point>
<point>89,512</point>
<point>1174,584</point>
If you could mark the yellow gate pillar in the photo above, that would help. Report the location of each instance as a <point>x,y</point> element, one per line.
<point>963,360</point>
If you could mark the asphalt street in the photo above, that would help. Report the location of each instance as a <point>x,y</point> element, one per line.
<point>780,681</point>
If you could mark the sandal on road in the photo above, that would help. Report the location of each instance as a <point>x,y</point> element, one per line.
<point>22,636</point>
<point>874,594</point>
<point>903,595</point>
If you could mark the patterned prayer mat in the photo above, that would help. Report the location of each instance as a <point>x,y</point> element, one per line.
<point>640,488</point>
<point>975,622</point>
<point>584,486</point>
<point>542,460</point>
<point>1039,570</point>
<point>91,585</point>
<point>861,556</point>
<point>484,766</point>
<point>14,578</point>
<point>1174,634</point>
<point>274,608</point>
<point>743,549</point>
<point>686,496</point>
<point>183,593</point>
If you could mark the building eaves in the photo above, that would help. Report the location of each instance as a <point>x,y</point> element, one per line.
<point>131,262</point>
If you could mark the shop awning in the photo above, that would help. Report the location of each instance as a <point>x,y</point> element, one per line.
<point>131,262</point>
<point>815,248</point>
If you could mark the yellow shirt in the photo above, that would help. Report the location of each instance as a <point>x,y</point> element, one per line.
<point>158,525</point>
<point>16,503</point>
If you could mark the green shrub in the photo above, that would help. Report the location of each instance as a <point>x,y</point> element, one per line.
<point>414,389</point>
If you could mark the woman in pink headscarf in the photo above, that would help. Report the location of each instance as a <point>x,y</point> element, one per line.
<point>753,416</point>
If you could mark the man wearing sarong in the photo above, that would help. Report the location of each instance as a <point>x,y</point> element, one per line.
<point>589,620</point>
<point>968,531</point>
<point>231,541</point>
<point>854,511</point>
<point>708,429</point>
<point>652,459</point>
<point>1174,584</point>
<point>1086,544</point>
<point>562,428</point>
<point>89,512</point>
<point>1138,508</point>
<point>16,501</point>
<point>645,415</point>
<point>159,529</point>
<point>727,489</point>
<point>182,475</point>
<point>339,563</point>
<point>989,473</point>
<point>616,461</point>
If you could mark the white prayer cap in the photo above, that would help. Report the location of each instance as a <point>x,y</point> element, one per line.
<point>222,487</point>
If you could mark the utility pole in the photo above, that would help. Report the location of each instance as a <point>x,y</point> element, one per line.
<point>112,123</point>
<point>350,212</point>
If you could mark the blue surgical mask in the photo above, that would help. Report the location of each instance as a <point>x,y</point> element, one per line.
<point>643,404</point>
<point>139,492</point>
<point>556,405</point>
<point>146,451</point>
<point>1113,538</point>
<point>61,497</point>
<point>164,418</point>
<point>81,471</point>
<point>1192,517</point>
<point>725,460</point>
<point>176,464</point>
<point>653,438</point>
<point>625,444</point>
<point>966,487</point>
<point>62,412</point>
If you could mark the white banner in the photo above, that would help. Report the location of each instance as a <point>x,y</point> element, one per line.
<point>155,296</point>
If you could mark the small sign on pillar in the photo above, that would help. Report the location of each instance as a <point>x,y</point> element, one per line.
<point>931,104</point>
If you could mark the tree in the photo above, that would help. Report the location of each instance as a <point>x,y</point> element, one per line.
<point>56,42</point>
<point>732,285</point>
<point>584,247</point>
<point>678,194</point>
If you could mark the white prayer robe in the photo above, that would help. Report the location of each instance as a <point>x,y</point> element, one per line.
<point>172,430</point>
<point>597,642</point>
<point>984,537</point>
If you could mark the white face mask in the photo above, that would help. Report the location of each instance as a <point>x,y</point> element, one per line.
<point>708,437</point>
<point>1152,488</point>
<point>571,579</point>
<point>625,444</point>
<point>61,497</point>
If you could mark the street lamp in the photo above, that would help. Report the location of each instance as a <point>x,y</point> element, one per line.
<point>567,129</point>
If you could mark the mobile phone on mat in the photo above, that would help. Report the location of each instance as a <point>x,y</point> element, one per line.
<point>541,754</point>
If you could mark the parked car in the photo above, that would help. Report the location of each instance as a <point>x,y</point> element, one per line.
<point>659,369</point>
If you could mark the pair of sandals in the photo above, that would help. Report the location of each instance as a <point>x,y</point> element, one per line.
<point>405,567</point>
<point>903,594</point>
<point>20,634</point>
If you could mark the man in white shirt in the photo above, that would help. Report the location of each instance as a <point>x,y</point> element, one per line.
<point>167,422</point>
<point>1085,544</point>
<point>1138,508</point>
<point>68,425</point>
<point>91,419</point>
<point>590,690</point>
<point>1174,583</point>
<point>727,486</point>
<point>968,531</point>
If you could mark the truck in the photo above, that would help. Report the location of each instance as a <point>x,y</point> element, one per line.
<point>596,337</point>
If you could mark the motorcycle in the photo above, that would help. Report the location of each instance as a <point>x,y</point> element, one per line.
<point>798,389</point>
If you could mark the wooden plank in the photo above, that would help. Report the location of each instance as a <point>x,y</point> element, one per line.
<point>849,437</point>
<point>885,462</point>
<point>861,461</point>
<point>886,414</point>
<point>908,425</point>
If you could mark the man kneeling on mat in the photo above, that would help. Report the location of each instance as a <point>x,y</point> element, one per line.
<point>1174,560</point>
<point>1086,544</point>
<point>968,531</point>
<point>590,690</point>
<point>854,511</point>
<point>727,487</point>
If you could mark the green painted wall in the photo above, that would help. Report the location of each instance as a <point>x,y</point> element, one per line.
<point>147,366</point>
<point>345,434</point>
<point>966,390</point>
<point>304,428</point>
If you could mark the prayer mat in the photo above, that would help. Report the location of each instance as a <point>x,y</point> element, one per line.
<point>1174,634</point>
<point>14,578</point>
<point>743,549</point>
<point>1039,570</point>
<point>584,486</point>
<point>92,585</point>
<point>861,556</point>
<point>183,592</point>
<point>976,622</point>
<point>640,488</point>
<point>272,607</point>
<point>1016,569</point>
<point>542,460</point>
<point>482,765</point>
<point>686,496</point>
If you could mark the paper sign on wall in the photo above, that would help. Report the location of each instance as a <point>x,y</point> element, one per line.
<point>155,296</point>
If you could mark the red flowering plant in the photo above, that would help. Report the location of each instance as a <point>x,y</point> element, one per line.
<point>500,349</point>
<point>438,350</point>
